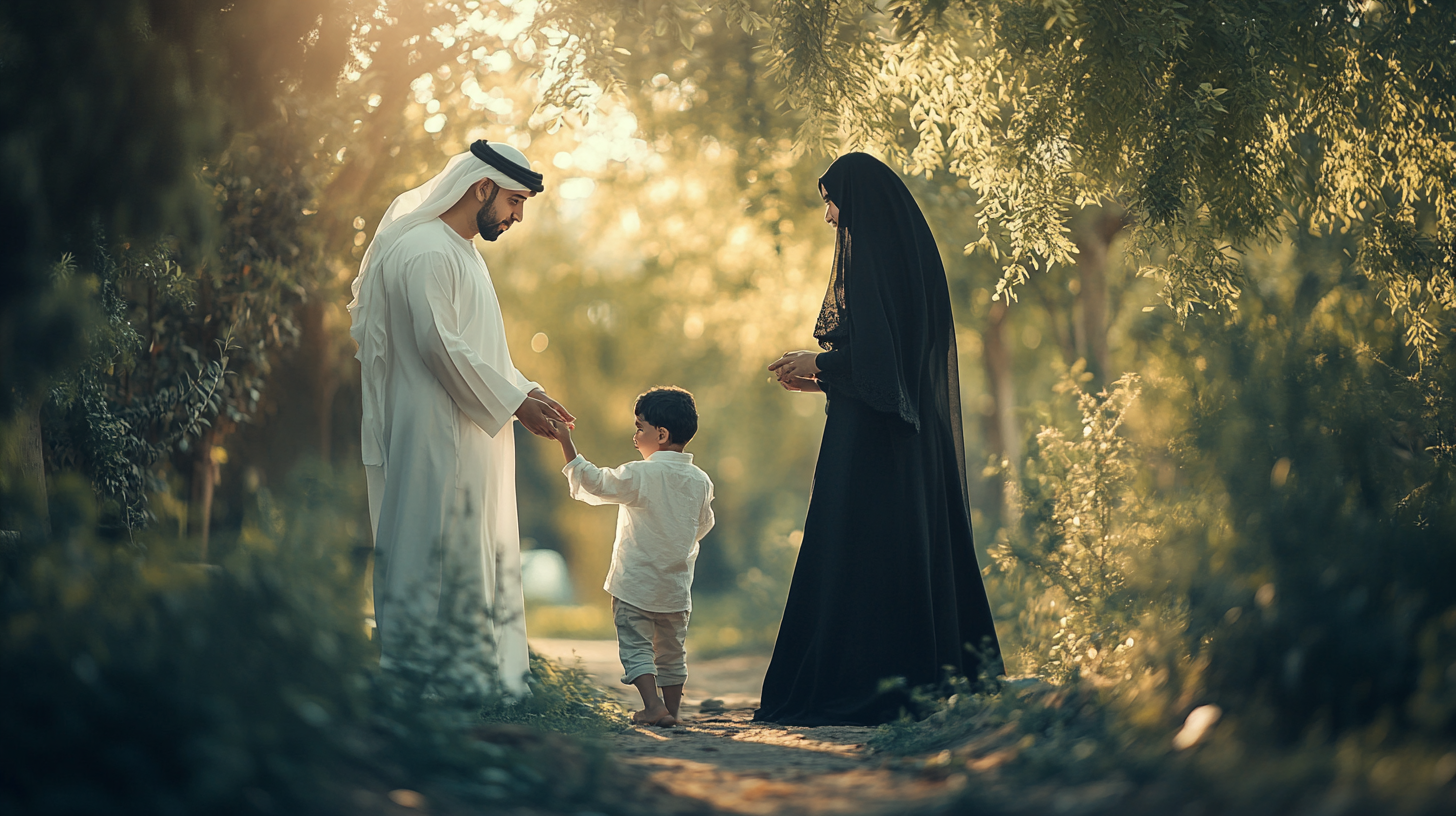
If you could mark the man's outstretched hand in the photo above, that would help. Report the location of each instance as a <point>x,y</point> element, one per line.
<point>536,416</point>
<point>561,412</point>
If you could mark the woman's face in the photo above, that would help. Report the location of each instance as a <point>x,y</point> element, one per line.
<point>831,210</point>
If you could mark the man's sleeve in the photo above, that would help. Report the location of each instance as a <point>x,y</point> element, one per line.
<point>526,386</point>
<point>489,397</point>
<point>595,485</point>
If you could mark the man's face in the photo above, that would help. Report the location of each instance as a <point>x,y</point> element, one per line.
<point>499,209</point>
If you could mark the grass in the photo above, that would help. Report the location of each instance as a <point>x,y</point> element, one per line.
<point>1032,747</point>
<point>564,700</point>
<point>132,682</point>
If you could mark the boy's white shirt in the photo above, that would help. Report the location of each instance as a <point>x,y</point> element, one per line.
<point>665,509</point>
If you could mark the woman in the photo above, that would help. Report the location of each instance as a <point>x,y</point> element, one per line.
<point>887,584</point>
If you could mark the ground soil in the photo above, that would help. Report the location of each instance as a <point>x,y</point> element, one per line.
<point>721,762</point>
<point>719,757</point>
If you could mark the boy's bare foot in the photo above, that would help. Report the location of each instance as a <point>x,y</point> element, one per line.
<point>656,715</point>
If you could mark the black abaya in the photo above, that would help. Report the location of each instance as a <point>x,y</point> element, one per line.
<point>887,585</point>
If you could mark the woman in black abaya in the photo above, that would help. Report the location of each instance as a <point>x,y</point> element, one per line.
<point>887,584</point>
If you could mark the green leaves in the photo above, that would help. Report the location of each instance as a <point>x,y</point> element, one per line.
<point>1416,269</point>
<point>1083,529</point>
<point>1210,122</point>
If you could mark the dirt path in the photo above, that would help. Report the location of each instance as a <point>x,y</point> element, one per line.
<point>722,758</point>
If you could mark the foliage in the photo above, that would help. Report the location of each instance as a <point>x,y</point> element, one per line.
<point>233,302</point>
<point>1032,748</point>
<point>564,699</point>
<point>1084,529</point>
<point>1269,529</point>
<point>114,434</point>
<point>264,185</point>
<point>142,684</point>
<point>1274,517</point>
<point>1217,125</point>
<point>107,109</point>
<point>1303,533</point>
<point>214,328</point>
<point>1340,513</point>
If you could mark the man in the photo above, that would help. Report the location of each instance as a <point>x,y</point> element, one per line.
<point>440,392</point>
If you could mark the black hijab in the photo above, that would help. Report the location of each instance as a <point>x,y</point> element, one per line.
<point>888,305</point>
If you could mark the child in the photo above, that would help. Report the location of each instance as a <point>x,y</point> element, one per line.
<point>665,510</point>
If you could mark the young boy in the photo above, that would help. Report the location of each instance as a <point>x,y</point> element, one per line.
<point>665,510</point>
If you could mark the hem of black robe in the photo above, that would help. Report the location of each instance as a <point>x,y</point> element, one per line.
<point>806,721</point>
<point>885,710</point>
<point>815,722</point>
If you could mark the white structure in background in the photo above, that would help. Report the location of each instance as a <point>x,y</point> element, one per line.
<point>544,577</point>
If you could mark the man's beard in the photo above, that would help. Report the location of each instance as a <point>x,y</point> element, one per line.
<point>489,229</point>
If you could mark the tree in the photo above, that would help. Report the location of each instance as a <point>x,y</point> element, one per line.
<point>696,197</point>
<point>106,111</point>
<point>1213,124</point>
<point>248,278</point>
<point>124,410</point>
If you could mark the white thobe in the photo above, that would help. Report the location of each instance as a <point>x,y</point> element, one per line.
<point>447,573</point>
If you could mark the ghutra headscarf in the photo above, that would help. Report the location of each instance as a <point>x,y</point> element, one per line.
<point>502,164</point>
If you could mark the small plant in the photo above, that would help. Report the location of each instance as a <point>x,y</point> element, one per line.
<point>563,699</point>
<point>1084,527</point>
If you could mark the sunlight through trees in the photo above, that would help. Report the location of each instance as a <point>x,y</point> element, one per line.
<point>1201,259</point>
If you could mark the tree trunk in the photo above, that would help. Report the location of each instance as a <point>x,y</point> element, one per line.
<point>30,458</point>
<point>204,483</point>
<point>1093,242</point>
<point>1062,320</point>
<point>317,351</point>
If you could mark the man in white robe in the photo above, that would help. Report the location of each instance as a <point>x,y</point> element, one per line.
<point>440,392</point>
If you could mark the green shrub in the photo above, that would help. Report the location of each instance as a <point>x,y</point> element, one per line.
<point>1263,523</point>
<point>1341,510</point>
<point>1271,528</point>
<point>135,683</point>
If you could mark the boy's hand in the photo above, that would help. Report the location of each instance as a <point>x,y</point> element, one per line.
<point>561,431</point>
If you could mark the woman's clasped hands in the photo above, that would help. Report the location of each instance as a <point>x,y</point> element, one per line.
<point>797,371</point>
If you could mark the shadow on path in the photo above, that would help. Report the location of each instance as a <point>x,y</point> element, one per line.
<point>720,757</point>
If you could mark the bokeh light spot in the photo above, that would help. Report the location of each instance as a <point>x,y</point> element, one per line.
<point>693,327</point>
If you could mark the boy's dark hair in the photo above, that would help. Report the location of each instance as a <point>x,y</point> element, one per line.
<point>670,407</point>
